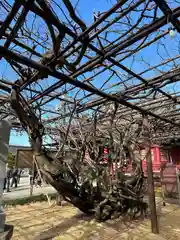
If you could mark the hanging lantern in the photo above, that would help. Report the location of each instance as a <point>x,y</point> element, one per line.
<point>172,33</point>
<point>57,108</point>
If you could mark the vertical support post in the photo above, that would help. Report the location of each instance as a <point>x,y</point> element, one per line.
<point>150,180</point>
<point>178,184</point>
<point>32,185</point>
<point>152,201</point>
<point>64,112</point>
<point>162,184</point>
<point>5,128</point>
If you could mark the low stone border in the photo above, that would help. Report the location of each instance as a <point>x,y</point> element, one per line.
<point>28,200</point>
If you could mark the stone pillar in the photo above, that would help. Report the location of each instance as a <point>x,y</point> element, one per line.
<point>5,128</point>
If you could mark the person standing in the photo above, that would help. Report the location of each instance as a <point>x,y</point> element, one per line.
<point>14,177</point>
<point>7,179</point>
<point>33,175</point>
<point>19,175</point>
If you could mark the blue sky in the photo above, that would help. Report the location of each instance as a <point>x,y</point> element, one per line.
<point>17,139</point>
<point>149,55</point>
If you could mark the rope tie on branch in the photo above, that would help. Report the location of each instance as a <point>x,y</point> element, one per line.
<point>42,179</point>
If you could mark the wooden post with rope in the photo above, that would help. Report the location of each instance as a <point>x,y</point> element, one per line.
<point>31,182</point>
<point>162,184</point>
<point>42,180</point>
<point>150,180</point>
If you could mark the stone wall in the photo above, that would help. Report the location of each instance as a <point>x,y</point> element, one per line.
<point>5,128</point>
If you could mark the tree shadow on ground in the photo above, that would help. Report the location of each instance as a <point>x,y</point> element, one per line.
<point>124,222</point>
<point>63,226</point>
<point>118,224</point>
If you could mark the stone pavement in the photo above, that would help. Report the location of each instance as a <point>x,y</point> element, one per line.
<point>39,221</point>
<point>23,190</point>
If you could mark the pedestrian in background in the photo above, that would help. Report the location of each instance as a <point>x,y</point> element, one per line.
<point>19,175</point>
<point>14,177</point>
<point>7,179</point>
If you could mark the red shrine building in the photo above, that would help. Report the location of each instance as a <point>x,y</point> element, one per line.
<point>165,162</point>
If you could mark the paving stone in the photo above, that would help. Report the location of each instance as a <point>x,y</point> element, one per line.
<point>19,238</point>
<point>71,229</point>
<point>152,236</point>
<point>94,236</point>
<point>109,232</point>
<point>39,227</point>
<point>65,237</point>
<point>93,222</point>
<point>78,234</point>
<point>67,223</point>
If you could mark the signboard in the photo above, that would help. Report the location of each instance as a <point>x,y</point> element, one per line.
<point>24,158</point>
